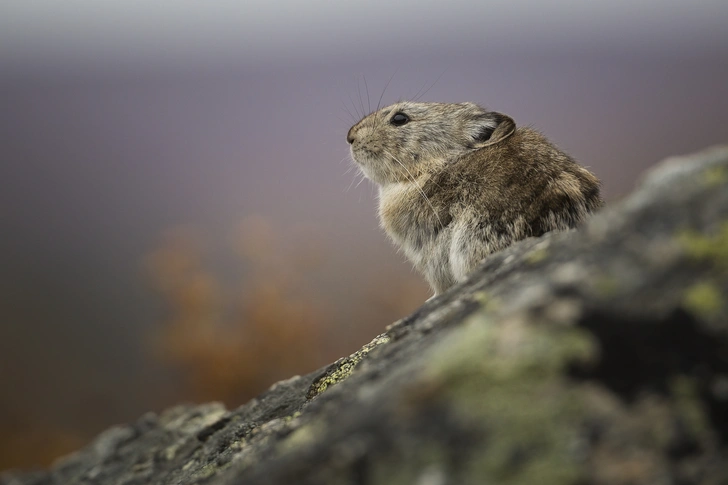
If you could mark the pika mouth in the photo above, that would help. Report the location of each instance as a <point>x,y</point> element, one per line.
<point>363,156</point>
<point>369,164</point>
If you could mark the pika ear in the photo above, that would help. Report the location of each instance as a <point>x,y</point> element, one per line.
<point>491,128</point>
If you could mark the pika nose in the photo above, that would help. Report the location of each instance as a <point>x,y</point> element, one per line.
<point>350,136</point>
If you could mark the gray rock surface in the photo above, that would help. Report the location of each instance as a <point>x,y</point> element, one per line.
<point>596,356</point>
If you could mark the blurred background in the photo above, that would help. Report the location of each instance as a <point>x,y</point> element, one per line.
<point>179,220</point>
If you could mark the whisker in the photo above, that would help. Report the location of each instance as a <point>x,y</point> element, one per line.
<point>347,111</point>
<point>385,89</point>
<point>352,168</point>
<point>417,97</point>
<point>353,105</point>
<point>417,94</point>
<point>418,188</point>
<point>353,179</point>
<point>361,100</point>
<point>366,88</point>
<point>342,119</point>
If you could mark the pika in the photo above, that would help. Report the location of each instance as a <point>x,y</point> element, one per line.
<point>458,182</point>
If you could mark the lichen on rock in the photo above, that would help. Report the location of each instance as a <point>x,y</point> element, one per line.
<point>344,367</point>
<point>592,356</point>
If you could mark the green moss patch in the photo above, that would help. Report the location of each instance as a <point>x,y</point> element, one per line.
<point>703,247</point>
<point>716,176</point>
<point>703,299</point>
<point>509,379</point>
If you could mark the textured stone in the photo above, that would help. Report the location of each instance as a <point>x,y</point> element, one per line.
<point>594,356</point>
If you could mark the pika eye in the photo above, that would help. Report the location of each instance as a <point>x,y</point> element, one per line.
<point>399,119</point>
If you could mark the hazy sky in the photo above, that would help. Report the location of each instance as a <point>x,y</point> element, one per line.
<point>174,31</point>
<point>121,119</point>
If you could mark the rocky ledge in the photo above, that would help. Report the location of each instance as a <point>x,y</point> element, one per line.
<point>598,356</point>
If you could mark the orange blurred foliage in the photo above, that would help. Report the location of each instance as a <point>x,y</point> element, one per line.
<point>28,442</point>
<point>229,332</point>
<point>232,345</point>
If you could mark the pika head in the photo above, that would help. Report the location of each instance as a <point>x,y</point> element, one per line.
<point>399,142</point>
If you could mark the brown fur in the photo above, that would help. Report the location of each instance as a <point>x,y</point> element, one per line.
<point>458,182</point>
